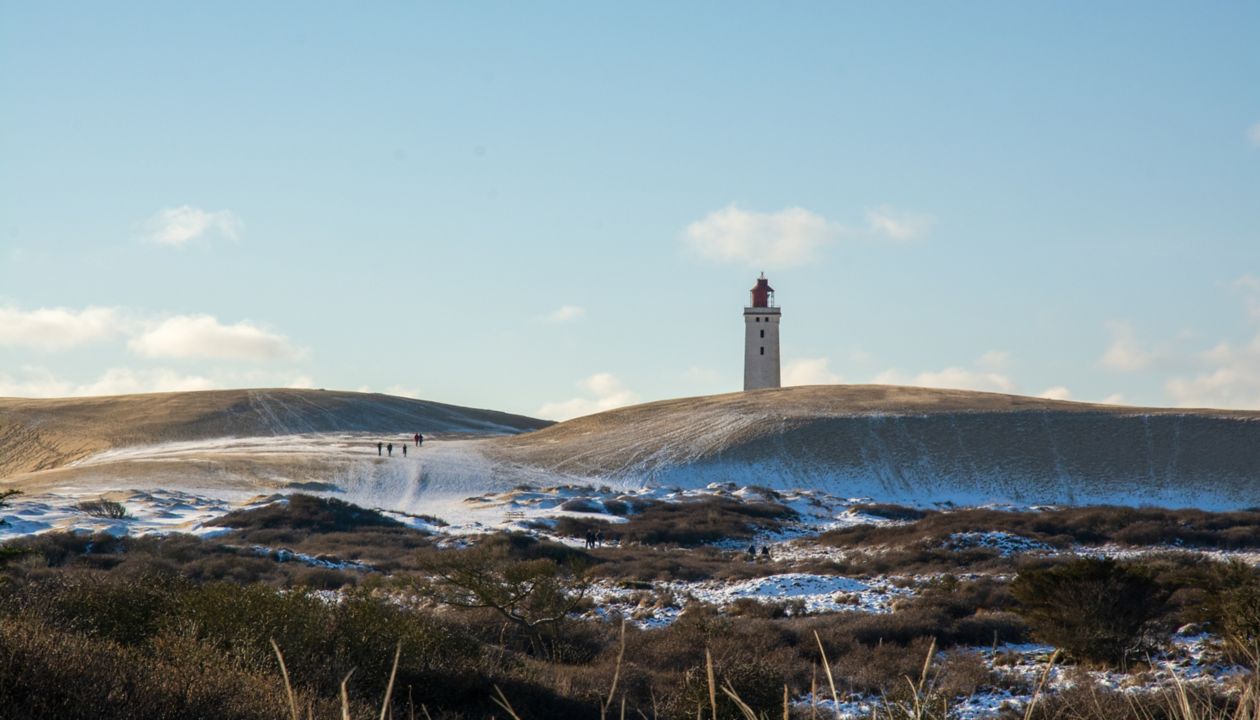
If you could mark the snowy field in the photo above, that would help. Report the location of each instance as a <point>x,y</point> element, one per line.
<point>181,486</point>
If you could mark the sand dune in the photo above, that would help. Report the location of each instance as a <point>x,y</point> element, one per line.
<point>46,434</point>
<point>914,445</point>
<point>897,444</point>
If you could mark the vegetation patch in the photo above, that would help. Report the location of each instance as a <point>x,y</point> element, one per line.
<point>1096,610</point>
<point>1065,527</point>
<point>688,523</point>
<point>308,513</point>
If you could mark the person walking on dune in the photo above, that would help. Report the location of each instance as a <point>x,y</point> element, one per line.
<point>419,439</point>
<point>404,447</point>
<point>416,437</point>
<point>390,449</point>
<point>378,449</point>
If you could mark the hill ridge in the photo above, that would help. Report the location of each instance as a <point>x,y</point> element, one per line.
<point>900,443</point>
<point>42,434</point>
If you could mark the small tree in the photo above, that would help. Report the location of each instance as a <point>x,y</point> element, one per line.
<point>535,595</point>
<point>1093,609</point>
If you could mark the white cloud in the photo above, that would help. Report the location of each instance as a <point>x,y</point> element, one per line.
<point>605,393</point>
<point>565,313</point>
<point>898,225</point>
<point>179,225</point>
<point>1229,378</point>
<point>1113,399</point>
<point>38,382</point>
<point>1124,353</point>
<point>203,336</point>
<point>786,238</point>
<point>1253,134</point>
<point>1057,392</point>
<point>956,378</point>
<point>809,371</point>
<point>301,382</point>
<point>57,328</point>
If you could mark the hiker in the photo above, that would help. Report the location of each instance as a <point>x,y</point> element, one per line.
<point>378,449</point>
<point>599,539</point>
<point>590,539</point>
<point>752,552</point>
<point>404,449</point>
<point>416,437</point>
<point>765,552</point>
<point>419,439</point>
<point>390,449</point>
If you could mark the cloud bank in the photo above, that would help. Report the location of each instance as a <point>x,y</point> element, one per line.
<point>58,328</point>
<point>787,238</point>
<point>203,336</point>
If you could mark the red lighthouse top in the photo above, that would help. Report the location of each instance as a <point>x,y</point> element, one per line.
<point>762,294</point>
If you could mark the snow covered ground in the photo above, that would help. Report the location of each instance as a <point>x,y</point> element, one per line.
<point>1019,671</point>
<point>665,601</point>
<point>180,486</point>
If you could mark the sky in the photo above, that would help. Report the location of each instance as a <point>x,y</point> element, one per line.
<point>559,208</point>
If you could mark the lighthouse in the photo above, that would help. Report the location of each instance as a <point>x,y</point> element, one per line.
<point>761,338</point>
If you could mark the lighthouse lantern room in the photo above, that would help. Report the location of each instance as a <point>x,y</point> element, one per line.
<point>761,338</point>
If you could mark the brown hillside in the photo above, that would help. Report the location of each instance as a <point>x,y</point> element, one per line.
<point>39,434</point>
<point>913,444</point>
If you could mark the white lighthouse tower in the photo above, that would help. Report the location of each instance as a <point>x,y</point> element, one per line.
<point>761,338</point>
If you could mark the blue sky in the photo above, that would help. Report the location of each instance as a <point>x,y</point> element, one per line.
<point>557,208</point>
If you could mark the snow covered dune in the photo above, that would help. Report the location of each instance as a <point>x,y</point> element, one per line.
<point>914,445</point>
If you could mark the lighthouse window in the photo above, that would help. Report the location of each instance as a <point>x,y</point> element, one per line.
<point>763,350</point>
<point>763,333</point>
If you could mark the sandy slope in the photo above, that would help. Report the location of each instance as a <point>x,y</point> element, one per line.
<point>46,434</point>
<point>913,444</point>
<point>897,444</point>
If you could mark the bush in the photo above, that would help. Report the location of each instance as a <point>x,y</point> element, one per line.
<point>306,512</point>
<point>1094,610</point>
<point>50,673</point>
<point>103,508</point>
<point>1064,527</point>
<point>1233,612</point>
<point>689,523</point>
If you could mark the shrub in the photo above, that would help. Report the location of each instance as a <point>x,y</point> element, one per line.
<point>1233,612</point>
<point>103,508</point>
<point>1095,610</point>
<point>533,585</point>
<point>688,523</point>
<point>306,512</point>
<point>50,673</point>
<point>1067,526</point>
